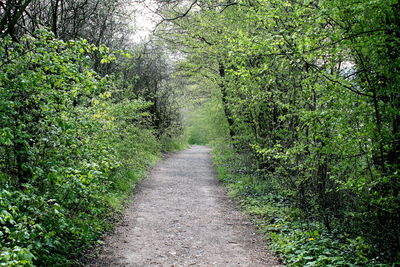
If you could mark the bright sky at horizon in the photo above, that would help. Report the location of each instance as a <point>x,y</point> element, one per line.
<point>145,20</point>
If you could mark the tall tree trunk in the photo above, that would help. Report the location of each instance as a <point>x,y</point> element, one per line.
<point>228,115</point>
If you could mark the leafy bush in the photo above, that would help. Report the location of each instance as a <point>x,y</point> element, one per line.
<point>174,138</point>
<point>298,240</point>
<point>309,91</point>
<point>69,152</point>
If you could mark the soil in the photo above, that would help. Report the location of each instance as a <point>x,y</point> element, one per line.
<point>181,216</point>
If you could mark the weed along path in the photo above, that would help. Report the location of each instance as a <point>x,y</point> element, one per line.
<point>181,216</point>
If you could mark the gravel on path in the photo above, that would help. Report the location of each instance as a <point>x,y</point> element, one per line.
<point>181,216</point>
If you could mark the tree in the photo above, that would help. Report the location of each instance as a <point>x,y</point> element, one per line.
<point>309,91</point>
<point>10,14</point>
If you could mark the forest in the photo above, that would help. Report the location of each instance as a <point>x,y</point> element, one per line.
<point>299,100</point>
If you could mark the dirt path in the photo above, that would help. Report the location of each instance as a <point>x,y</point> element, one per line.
<point>181,216</point>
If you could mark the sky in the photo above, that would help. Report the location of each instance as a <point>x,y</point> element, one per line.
<point>145,20</point>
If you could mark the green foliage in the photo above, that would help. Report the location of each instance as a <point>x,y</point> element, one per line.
<point>200,125</point>
<point>16,257</point>
<point>309,90</point>
<point>174,141</point>
<point>70,152</point>
<point>299,241</point>
<point>206,123</point>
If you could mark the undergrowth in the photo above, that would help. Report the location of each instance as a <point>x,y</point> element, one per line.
<point>70,154</point>
<point>297,240</point>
